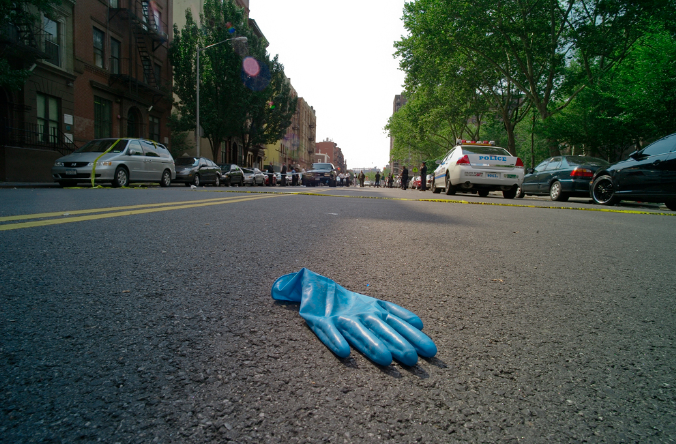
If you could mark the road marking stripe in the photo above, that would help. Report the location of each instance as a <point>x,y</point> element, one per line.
<point>603,210</point>
<point>66,220</point>
<point>100,210</point>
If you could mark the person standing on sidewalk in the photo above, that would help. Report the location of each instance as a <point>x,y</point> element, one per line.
<point>271,176</point>
<point>377,179</point>
<point>423,177</point>
<point>404,178</point>
<point>283,175</point>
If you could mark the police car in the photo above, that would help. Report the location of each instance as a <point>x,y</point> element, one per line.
<point>478,167</point>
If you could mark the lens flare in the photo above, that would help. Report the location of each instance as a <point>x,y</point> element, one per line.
<point>251,66</point>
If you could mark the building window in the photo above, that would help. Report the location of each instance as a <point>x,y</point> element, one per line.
<point>99,38</point>
<point>103,113</point>
<point>114,56</point>
<point>52,40</point>
<point>48,118</point>
<point>113,3</point>
<point>158,74</point>
<point>154,128</point>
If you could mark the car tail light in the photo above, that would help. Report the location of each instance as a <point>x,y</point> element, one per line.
<point>582,173</point>
<point>519,162</point>
<point>464,160</point>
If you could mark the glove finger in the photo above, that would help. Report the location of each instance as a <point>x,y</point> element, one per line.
<point>419,340</point>
<point>402,313</point>
<point>400,348</point>
<point>363,340</point>
<point>331,337</point>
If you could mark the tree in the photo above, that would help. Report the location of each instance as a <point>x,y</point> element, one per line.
<point>19,13</point>
<point>632,105</point>
<point>228,108</point>
<point>529,43</point>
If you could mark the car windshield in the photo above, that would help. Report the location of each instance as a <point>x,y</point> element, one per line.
<point>322,166</point>
<point>187,161</point>
<point>585,160</point>
<point>101,145</point>
<point>225,166</point>
<point>247,170</point>
<point>485,150</point>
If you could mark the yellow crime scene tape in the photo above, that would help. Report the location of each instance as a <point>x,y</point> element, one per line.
<point>454,201</point>
<point>97,161</point>
<point>64,217</point>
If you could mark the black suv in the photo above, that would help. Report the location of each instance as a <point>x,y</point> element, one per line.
<point>321,173</point>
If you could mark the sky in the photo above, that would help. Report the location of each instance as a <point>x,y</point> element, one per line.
<point>339,57</point>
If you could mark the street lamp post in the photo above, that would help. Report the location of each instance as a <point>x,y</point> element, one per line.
<point>197,128</point>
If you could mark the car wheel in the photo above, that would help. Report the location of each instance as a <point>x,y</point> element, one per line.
<point>435,190</point>
<point>555,192</point>
<point>520,193</point>
<point>196,180</point>
<point>509,194</point>
<point>671,205</point>
<point>121,178</point>
<point>603,191</point>
<point>166,179</point>
<point>482,193</point>
<point>218,181</point>
<point>450,189</point>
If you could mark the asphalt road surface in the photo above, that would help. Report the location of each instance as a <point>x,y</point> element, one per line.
<point>144,315</point>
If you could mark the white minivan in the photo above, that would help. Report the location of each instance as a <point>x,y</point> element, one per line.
<point>116,161</point>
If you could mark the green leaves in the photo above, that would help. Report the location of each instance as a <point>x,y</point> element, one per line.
<point>228,108</point>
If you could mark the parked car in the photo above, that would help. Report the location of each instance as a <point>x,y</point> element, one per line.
<point>415,183</point>
<point>321,173</point>
<point>231,174</point>
<point>197,171</point>
<point>561,177</point>
<point>478,167</point>
<point>118,161</point>
<point>648,175</point>
<point>428,183</point>
<point>253,176</point>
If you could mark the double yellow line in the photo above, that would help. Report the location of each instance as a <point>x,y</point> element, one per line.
<point>65,217</point>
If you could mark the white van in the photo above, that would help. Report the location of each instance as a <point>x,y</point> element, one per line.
<point>116,161</point>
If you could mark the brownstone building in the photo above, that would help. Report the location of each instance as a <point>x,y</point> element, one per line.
<point>100,70</point>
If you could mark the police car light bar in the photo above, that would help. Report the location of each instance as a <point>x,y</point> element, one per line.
<point>474,142</point>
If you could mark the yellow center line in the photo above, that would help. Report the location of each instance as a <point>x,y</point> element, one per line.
<point>153,209</point>
<point>100,210</point>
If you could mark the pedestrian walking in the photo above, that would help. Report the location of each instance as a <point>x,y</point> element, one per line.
<point>423,176</point>
<point>404,178</point>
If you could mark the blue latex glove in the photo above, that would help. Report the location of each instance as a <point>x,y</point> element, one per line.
<point>380,330</point>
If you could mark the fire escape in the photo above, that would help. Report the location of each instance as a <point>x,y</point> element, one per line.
<point>148,36</point>
<point>20,45</point>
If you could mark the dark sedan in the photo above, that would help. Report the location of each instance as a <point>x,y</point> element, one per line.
<point>232,174</point>
<point>561,177</point>
<point>648,175</point>
<point>197,171</point>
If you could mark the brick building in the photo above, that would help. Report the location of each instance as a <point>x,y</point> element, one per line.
<point>399,101</point>
<point>335,154</point>
<point>101,70</point>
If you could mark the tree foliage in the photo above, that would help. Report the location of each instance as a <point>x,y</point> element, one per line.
<point>524,53</point>
<point>228,108</point>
